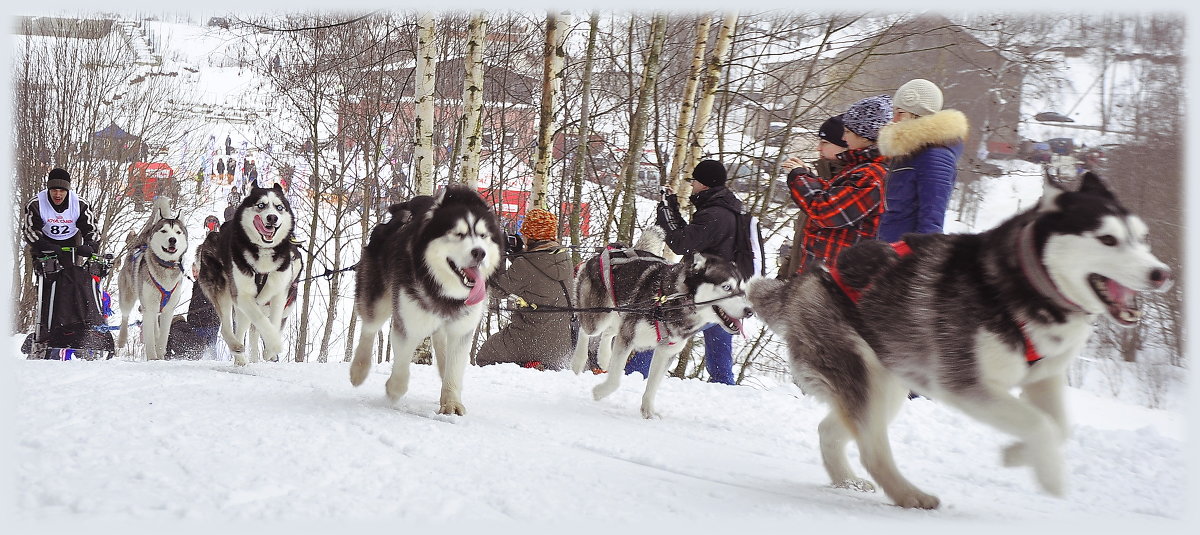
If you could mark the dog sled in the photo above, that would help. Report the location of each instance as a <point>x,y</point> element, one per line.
<point>72,310</point>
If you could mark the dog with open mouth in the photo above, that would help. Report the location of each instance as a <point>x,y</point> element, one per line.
<point>658,305</point>
<point>249,269</point>
<point>967,320</point>
<point>151,273</point>
<point>427,269</point>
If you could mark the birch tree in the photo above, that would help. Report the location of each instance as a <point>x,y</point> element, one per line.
<point>582,148</point>
<point>712,78</point>
<point>473,99</point>
<point>423,172</point>
<point>680,161</point>
<point>551,81</point>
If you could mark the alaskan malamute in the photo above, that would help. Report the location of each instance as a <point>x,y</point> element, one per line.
<point>427,268</point>
<point>151,274</point>
<point>963,319</point>
<point>673,302</point>
<point>248,270</point>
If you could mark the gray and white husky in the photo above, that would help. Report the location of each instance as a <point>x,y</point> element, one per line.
<point>427,268</point>
<point>152,272</point>
<point>675,301</point>
<point>964,319</point>
<point>249,270</point>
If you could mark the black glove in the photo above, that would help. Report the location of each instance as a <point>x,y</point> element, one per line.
<point>668,218</point>
<point>799,170</point>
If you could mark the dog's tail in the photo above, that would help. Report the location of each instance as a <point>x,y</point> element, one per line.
<point>653,240</point>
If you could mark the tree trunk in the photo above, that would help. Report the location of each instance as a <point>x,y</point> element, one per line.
<point>423,93</point>
<point>637,130</point>
<point>473,100</point>
<point>712,77</point>
<point>582,152</point>
<point>680,163</point>
<point>551,80</point>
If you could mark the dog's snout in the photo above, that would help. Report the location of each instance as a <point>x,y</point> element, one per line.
<point>171,242</point>
<point>478,253</point>
<point>272,219</point>
<point>1161,278</point>
<point>748,312</point>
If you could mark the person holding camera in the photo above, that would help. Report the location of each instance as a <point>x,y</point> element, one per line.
<point>540,274</point>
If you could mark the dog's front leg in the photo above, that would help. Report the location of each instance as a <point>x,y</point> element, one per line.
<point>619,352</point>
<point>450,349</point>
<point>150,333</point>
<point>663,353</point>
<point>240,325</point>
<point>403,346</point>
<point>1040,436</point>
<point>164,329</point>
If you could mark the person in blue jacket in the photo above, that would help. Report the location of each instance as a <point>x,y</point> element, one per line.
<point>922,144</point>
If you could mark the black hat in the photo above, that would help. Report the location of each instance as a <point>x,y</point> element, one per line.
<point>58,179</point>
<point>831,130</point>
<point>710,173</point>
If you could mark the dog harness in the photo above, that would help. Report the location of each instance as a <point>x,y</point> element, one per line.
<point>163,292</point>
<point>629,254</point>
<point>902,249</point>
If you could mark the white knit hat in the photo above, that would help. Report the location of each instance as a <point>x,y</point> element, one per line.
<point>919,97</point>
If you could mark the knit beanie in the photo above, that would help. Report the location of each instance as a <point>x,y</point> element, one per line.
<point>710,173</point>
<point>540,225</point>
<point>868,115</point>
<point>919,97</point>
<point>831,130</point>
<point>58,179</point>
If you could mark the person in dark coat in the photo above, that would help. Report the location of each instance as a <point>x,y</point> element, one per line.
<point>922,145</point>
<point>541,275</point>
<point>711,231</point>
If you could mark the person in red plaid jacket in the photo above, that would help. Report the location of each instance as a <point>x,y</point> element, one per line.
<point>845,209</point>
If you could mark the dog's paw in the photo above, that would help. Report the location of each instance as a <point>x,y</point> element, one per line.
<point>359,370</point>
<point>1015,454</point>
<point>452,407</point>
<point>855,483</point>
<point>648,412</point>
<point>239,359</point>
<point>916,499</point>
<point>602,390</point>
<point>395,388</point>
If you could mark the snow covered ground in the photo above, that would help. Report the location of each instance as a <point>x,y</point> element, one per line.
<point>120,441</point>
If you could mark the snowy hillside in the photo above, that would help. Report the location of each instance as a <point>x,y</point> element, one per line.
<point>121,441</point>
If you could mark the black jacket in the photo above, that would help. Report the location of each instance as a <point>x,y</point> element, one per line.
<point>713,225</point>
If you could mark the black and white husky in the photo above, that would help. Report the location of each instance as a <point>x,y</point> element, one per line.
<point>660,305</point>
<point>427,268</point>
<point>248,269</point>
<point>151,274</point>
<point>964,319</point>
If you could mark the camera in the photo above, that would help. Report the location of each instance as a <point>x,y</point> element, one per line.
<point>513,243</point>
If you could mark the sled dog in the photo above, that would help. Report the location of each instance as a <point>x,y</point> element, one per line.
<point>427,268</point>
<point>152,272</point>
<point>249,269</point>
<point>677,301</point>
<point>964,319</point>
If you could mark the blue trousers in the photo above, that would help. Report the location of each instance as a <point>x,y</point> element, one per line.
<point>718,357</point>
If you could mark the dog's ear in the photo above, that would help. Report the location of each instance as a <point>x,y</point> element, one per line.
<point>697,261</point>
<point>439,197</point>
<point>1092,184</point>
<point>277,187</point>
<point>1050,194</point>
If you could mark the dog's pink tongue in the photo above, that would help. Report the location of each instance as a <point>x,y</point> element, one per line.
<point>262,229</point>
<point>1120,294</point>
<point>479,291</point>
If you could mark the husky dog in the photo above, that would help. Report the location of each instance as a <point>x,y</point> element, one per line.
<point>427,268</point>
<point>248,269</point>
<point>678,300</point>
<point>151,273</point>
<point>963,319</point>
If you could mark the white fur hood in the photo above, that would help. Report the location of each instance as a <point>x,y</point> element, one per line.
<point>907,137</point>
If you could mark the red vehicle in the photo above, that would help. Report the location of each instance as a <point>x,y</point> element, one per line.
<point>144,178</point>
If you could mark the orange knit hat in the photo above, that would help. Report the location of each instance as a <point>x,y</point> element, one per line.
<point>540,225</point>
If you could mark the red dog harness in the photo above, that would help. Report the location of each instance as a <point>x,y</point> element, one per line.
<point>902,249</point>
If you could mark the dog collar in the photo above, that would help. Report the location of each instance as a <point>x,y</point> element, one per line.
<point>1035,271</point>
